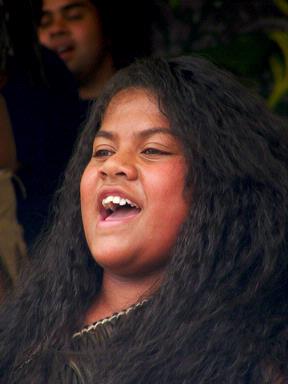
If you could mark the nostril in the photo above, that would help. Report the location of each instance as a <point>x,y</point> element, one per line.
<point>116,167</point>
<point>103,173</point>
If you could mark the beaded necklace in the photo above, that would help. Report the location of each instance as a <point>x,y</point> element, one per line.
<point>108,319</point>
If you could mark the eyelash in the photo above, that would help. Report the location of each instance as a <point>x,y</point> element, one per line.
<point>154,151</point>
<point>101,153</point>
<point>46,21</point>
<point>74,16</point>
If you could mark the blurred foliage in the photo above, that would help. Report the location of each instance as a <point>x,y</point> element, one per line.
<point>249,38</point>
<point>279,67</point>
<point>282,5</point>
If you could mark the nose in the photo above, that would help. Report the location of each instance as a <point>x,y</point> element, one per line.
<point>119,165</point>
<point>58,26</point>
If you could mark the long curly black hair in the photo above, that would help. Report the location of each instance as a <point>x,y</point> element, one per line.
<point>220,315</point>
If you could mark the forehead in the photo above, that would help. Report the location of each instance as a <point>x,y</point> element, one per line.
<point>54,5</point>
<point>133,99</point>
<point>134,107</point>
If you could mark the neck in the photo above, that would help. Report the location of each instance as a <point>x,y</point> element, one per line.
<point>118,293</point>
<point>91,86</point>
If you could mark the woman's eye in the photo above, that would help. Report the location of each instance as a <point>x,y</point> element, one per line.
<point>102,153</point>
<point>154,151</point>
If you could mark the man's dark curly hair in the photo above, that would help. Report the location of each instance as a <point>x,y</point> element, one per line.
<point>220,315</point>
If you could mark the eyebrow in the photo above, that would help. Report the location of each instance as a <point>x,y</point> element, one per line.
<point>142,134</point>
<point>76,4</point>
<point>67,7</point>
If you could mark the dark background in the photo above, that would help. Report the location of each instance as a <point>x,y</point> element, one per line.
<point>249,38</point>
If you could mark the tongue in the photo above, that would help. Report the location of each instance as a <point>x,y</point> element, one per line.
<point>122,213</point>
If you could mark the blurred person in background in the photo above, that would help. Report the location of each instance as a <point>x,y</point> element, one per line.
<point>94,38</point>
<point>43,106</point>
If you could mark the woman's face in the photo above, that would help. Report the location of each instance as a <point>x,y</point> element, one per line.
<point>132,190</point>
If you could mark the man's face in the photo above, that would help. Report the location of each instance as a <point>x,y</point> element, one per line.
<point>72,29</point>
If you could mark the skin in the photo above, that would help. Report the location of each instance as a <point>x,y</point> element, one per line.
<point>136,155</point>
<point>73,30</point>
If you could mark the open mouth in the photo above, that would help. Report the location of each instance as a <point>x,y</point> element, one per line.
<point>116,208</point>
<point>63,50</point>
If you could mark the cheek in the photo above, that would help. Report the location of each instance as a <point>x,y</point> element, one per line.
<point>43,38</point>
<point>166,194</point>
<point>87,191</point>
<point>167,184</point>
<point>89,34</point>
<point>79,34</point>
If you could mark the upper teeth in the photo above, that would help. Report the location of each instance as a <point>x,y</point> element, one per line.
<point>62,48</point>
<point>110,201</point>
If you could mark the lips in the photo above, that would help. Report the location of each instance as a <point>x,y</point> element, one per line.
<point>117,206</point>
<point>122,214</point>
<point>64,51</point>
